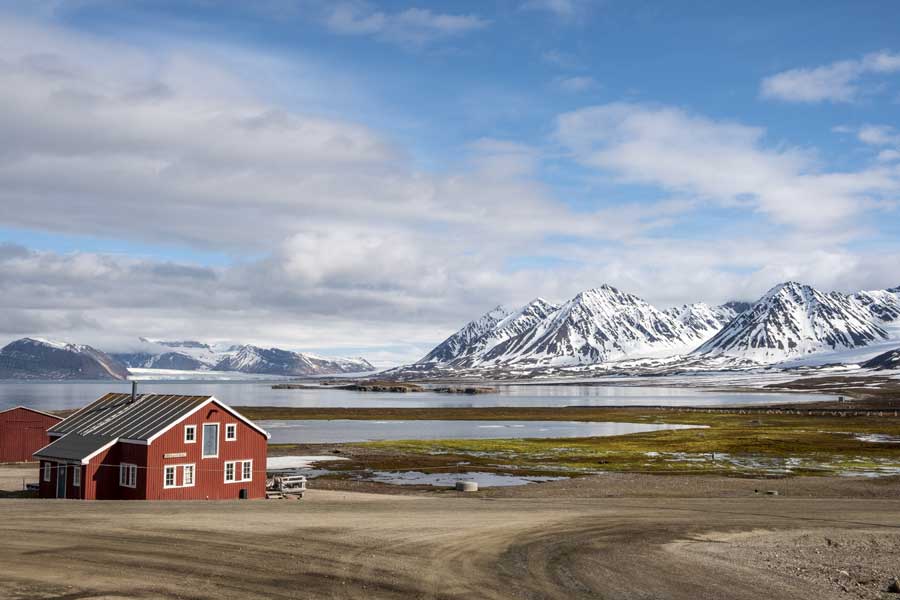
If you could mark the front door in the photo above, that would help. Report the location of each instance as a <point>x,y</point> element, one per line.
<point>60,480</point>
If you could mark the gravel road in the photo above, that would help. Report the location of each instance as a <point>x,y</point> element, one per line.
<point>338,544</point>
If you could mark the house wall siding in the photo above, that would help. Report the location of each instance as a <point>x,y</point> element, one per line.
<point>209,473</point>
<point>22,433</point>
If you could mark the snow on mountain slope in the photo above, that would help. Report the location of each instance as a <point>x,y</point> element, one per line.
<point>275,361</point>
<point>197,356</point>
<point>703,319</point>
<point>881,304</point>
<point>515,324</point>
<point>595,326</point>
<point>35,358</point>
<point>794,320</point>
<point>458,343</point>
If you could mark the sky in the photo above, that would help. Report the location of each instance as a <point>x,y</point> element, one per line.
<point>361,178</point>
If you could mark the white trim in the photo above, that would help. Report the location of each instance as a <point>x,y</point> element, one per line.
<point>76,475</point>
<point>84,460</point>
<point>34,410</point>
<point>128,469</point>
<point>238,476</point>
<point>203,441</point>
<point>103,448</point>
<point>193,428</point>
<point>196,409</point>
<point>175,484</point>
<point>48,470</point>
<point>233,426</point>
<point>193,467</point>
<point>166,470</point>
<point>135,442</point>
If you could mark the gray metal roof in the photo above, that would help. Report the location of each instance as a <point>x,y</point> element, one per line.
<point>74,446</point>
<point>118,416</point>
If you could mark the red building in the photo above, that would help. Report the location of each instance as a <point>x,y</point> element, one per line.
<point>154,447</point>
<point>22,431</point>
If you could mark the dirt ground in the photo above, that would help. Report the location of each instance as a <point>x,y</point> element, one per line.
<point>539,541</point>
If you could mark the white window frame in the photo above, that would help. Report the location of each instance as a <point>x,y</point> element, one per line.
<point>48,470</point>
<point>128,473</point>
<point>244,464</point>
<point>76,475</point>
<point>193,430</point>
<point>173,469</point>
<point>238,476</point>
<point>193,475</point>
<point>203,442</point>
<point>233,428</point>
<point>233,465</point>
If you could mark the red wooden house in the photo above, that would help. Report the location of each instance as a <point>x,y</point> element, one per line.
<point>22,431</point>
<point>154,447</point>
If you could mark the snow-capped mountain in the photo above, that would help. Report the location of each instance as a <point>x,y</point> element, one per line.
<point>275,361</point>
<point>794,320</point>
<point>457,344</point>
<point>35,358</point>
<point>196,356</point>
<point>706,320</point>
<point>596,326</point>
<point>604,324</point>
<point>512,325</point>
<point>185,355</point>
<point>881,304</point>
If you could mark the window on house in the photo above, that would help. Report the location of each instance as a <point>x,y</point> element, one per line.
<point>187,476</point>
<point>46,471</point>
<point>229,472</point>
<point>127,475</point>
<point>230,432</point>
<point>169,476</point>
<point>210,440</point>
<point>247,470</point>
<point>76,475</point>
<point>190,434</point>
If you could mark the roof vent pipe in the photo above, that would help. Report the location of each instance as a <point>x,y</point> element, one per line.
<point>133,391</point>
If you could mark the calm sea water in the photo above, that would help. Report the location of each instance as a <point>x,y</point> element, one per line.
<point>61,395</point>
<point>345,430</point>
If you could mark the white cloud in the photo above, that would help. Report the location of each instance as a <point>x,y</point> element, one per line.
<point>878,135</point>
<point>576,84</point>
<point>837,82</point>
<point>416,26</point>
<point>339,242</point>
<point>564,9</point>
<point>721,161</point>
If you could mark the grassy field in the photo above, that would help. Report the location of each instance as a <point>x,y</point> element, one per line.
<point>729,444</point>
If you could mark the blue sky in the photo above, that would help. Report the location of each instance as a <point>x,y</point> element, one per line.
<point>356,177</point>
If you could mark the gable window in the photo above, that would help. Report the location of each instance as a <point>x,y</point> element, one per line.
<point>210,440</point>
<point>76,475</point>
<point>233,474</point>
<point>46,471</point>
<point>169,476</point>
<point>128,475</point>
<point>230,432</point>
<point>190,434</point>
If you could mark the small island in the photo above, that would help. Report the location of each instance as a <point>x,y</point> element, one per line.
<point>397,387</point>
